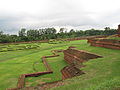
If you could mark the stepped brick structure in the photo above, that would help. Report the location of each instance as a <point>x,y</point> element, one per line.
<point>71,71</point>
<point>21,80</point>
<point>106,43</point>
<point>72,55</point>
<point>75,57</point>
<point>119,30</point>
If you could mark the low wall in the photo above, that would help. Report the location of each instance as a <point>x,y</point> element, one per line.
<point>21,80</point>
<point>71,71</point>
<point>86,37</point>
<point>106,43</point>
<point>73,55</point>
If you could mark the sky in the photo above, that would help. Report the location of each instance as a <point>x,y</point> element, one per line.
<point>76,14</point>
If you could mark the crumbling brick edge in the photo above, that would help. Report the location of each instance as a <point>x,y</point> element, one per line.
<point>106,43</point>
<point>21,80</point>
<point>64,71</point>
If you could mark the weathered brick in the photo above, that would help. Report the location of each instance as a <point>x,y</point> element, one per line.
<point>72,55</point>
<point>106,43</point>
<point>70,71</point>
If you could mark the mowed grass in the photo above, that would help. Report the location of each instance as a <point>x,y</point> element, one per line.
<point>15,63</point>
<point>100,74</point>
<point>56,63</point>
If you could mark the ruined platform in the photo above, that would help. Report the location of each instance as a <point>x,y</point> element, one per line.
<point>75,58</point>
<point>71,71</point>
<point>106,43</point>
<point>72,55</point>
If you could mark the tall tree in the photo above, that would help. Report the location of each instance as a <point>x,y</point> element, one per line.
<point>22,32</point>
<point>61,30</point>
<point>1,32</point>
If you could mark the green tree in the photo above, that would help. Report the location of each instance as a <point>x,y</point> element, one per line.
<point>22,32</point>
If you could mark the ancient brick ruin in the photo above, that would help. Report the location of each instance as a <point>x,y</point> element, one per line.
<point>21,80</point>
<point>106,43</point>
<point>71,71</point>
<point>74,57</point>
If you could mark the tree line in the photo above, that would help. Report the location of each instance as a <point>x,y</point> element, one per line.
<point>51,33</point>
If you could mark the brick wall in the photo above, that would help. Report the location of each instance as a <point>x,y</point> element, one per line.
<point>106,43</point>
<point>70,71</point>
<point>119,30</point>
<point>73,55</point>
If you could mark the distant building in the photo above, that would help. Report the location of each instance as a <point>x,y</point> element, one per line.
<point>119,30</point>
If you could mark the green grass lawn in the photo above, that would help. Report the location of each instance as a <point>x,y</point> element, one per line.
<point>114,38</point>
<point>15,63</point>
<point>22,46</point>
<point>102,73</point>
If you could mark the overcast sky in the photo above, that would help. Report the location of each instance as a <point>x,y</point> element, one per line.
<point>77,14</point>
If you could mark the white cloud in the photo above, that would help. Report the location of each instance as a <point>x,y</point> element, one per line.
<point>80,14</point>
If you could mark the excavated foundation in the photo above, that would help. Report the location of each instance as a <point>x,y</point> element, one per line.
<point>72,56</point>
<point>71,71</point>
<point>106,43</point>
